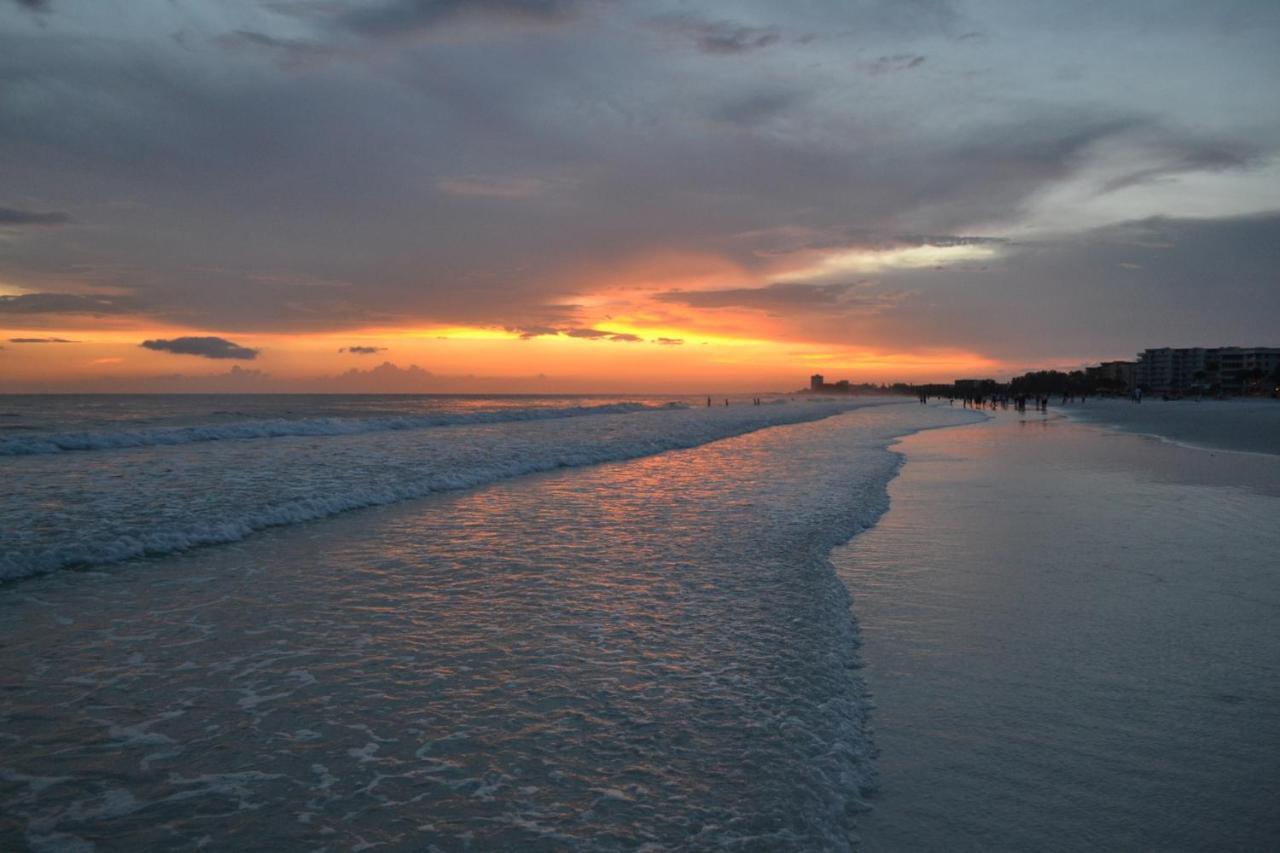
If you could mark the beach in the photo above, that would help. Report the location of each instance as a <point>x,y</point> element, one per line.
<point>637,632</point>
<point>652,653</point>
<point>1071,637</point>
<point>1242,424</point>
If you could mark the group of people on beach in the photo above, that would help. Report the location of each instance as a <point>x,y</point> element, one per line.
<point>755,401</point>
<point>1002,401</point>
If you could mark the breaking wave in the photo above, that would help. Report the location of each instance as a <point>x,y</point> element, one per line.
<point>58,442</point>
<point>110,507</point>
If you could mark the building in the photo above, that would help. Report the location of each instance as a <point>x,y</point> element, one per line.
<point>1232,370</point>
<point>817,382</point>
<point>1113,375</point>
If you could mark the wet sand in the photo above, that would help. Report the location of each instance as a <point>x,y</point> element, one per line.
<point>1244,424</point>
<point>1072,639</point>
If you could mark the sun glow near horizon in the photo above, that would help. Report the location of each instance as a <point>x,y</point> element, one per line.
<point>685,350</point>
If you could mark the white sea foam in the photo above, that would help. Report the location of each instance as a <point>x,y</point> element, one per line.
<point>58,442</point>
<point>102,508</point>
<point>651,655</point>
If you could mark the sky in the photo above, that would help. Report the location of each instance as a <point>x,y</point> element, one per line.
<point>597,195</point>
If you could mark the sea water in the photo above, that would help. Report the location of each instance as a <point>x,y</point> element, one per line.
<point>649,653</point>
<point>94,480</point>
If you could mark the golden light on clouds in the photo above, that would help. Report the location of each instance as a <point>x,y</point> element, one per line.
<point>665,321</point>
<point>868,261</point>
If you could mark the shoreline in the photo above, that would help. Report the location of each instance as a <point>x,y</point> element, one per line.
<point>1246,425</point>
<point>1024,684</point>
<point>656,650</point>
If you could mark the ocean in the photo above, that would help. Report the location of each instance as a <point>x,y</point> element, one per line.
<point>603,623</point>
<point>94,480</point>
<point>556,623</point>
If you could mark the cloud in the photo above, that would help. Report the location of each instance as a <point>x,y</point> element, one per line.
<point>530,332</point>
<point>294,52</point>
<point>1168,157</point>
<point>384,174</point>
<point>585,333</point>
<point>1163,282</point>
<point>755,108</point>
<point>773,297</point>
<point>205,347</point>
<point>946,241</point>
<point>601,335</point>
<point>722,38</point>
<point>359,350</point>
<point>385,378</point>
<point>491,186</point>
<point>669,342</point>
<point>65,303</point>
<point>34,5</point>
<point>41,341</point>
<point>408,17</point>
<point>896,62</point>
<point>12,217</point>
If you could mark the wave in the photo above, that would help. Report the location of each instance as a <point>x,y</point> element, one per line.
<point>131,519</point>
<point>59,442</point>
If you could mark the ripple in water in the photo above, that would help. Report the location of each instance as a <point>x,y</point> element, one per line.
<point>653,654</point>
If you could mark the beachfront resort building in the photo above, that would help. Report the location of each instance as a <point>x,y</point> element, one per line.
<point>817,382</point>
<point>1112,375</point>
<point>1176,370</point>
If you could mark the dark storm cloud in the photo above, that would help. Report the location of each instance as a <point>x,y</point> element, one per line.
<point>34,5</point>
<point>41,341</point>
<point>10,216</point>
<point>205,347</point>
<point>66,303</point>
<point>358,350</point>
<point>407,17</point>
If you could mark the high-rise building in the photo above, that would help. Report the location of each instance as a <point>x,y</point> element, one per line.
<point>1117,375</point>
<point>1170,370</point>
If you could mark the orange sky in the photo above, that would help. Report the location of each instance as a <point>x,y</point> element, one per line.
<point>583,197</point>
<point>625,340</point>
<point>493,358</point>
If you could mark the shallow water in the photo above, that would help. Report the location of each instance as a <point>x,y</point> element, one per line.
<point>131,492</point>
<point>653,654</point>
<point>1072,640</point>
<point>1251,424</point>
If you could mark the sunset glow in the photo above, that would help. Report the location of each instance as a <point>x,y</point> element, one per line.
<point>645,199</point>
